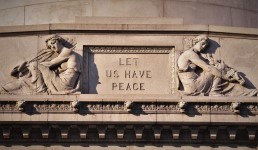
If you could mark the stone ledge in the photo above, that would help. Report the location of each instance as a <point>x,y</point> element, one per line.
<point>24,28</point>
<point>124,97</point>
<point>233,30</point>
<point>120,107</point>
<point>127,20</point>
<point>153,133</point>
<point>126,27</point>
<point>136,109</point>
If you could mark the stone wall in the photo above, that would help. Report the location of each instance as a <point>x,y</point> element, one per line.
<point>161,120</point>
<point>238,13</point>
<point>237,50</point>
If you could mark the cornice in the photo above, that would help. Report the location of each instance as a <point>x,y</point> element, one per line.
<point>139,28</point>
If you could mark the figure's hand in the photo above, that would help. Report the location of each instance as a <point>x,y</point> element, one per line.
<point>241,81</point>
<point>19,69</point>
<point>47,63</point>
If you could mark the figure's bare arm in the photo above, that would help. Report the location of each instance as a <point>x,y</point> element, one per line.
<point>199,62</point>
<point>62,57</point>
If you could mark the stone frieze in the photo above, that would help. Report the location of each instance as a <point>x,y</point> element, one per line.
<point>137,107</point>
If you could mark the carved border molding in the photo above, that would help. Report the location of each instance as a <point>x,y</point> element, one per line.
<point>81,107</point>
<point>130,49</point>
<point>169,50</point>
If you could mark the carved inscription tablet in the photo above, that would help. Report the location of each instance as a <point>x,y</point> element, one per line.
<point>127,70</point>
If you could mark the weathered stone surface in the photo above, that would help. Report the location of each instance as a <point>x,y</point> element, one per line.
<point>197,13</point>
<point>15,50</point>
<point>129,27</point>
<point>54,12</point>
<point>129,73</point>
<point>251,4</point>
<point>154,120</point>
<point>87,118</point>
<point>241,54</point>
<point>125,8</point>
<point>230,3</point>
<point>203,11</point>
<point>136,40</point>
<point>128,20</point>
<point>28,28</point>
<point>128,118</point>
<point>48,28</point>
<point>249,18</point>
<point>129,40</point>
<point>232,119</point>
<point>13,16</point>
<point>234,30</point>
<point>183,118</point>
<point>19,3</point>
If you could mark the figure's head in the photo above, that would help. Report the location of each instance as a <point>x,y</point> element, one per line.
<point>54,43</point>
<point>200,43</point>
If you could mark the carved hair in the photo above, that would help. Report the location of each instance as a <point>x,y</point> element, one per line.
<point>69,43</point>
<point>53,40</point>
<point>191,42</point>
<point>199,38</point>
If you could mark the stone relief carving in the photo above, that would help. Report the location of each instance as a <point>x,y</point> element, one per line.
<point>54,70</point>
<point>235,106</point>
<point>201,74</point>
<point>182,106</point>
<point>20,105</point>
<point>76,106</point>
<point>128,105</point>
